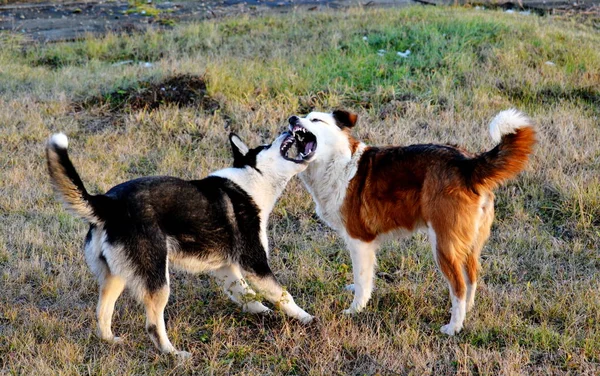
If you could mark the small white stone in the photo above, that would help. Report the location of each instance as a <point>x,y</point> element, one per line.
<point>403,54</point>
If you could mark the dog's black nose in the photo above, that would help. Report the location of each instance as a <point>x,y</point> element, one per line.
<point>293,120</point>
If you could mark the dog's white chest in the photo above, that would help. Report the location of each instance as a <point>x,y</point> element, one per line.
<point>327,183</point>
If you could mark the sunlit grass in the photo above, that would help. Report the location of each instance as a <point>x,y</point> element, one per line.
<point>538,306</point>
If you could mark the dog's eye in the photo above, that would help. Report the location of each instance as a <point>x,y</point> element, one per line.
<point>316,120</point>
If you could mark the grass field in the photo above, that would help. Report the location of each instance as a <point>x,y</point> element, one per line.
<point>538,307</point>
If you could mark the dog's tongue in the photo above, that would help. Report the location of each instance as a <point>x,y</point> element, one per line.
<point>309,147</point>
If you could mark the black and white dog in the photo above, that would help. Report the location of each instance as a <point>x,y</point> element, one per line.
<point>218,224</point>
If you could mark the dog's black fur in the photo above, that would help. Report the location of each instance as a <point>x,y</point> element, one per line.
<point>145,211</point>
<point>141,226</point>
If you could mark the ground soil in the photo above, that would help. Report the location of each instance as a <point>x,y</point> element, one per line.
<point>52,22</point>
<point>178,90</point>
<point>64,20</point>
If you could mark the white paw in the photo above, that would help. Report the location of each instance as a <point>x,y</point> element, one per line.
<point>256,307</point>
<point>116,341</point>
<point>450,329</point>
<point>111,339</point>
<point>182,355</point>
<point>305,319</point>
<point>267,311</point>
<point>354,308</point>
<point>349,287</point>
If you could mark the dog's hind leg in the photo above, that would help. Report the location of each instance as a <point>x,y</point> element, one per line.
<point>155,303</point>
<point>484,224</point>
<point>110,285</point>
<point>150,285</point>
<point>111,288</point>
<point>233,283</point>
<point>448,260</point>
<point>259,274</point>
<point>363,269</point>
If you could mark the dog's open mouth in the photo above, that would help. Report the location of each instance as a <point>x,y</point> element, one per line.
<point>305,144</point>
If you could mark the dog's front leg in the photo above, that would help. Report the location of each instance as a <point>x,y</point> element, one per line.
<point>234,285</point>
<point>267,285</point>
<point>363,269</point>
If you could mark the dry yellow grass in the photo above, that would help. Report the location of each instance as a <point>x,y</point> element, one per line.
<point>538,308</point>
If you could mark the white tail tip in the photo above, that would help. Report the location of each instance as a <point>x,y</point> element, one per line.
<point>507,122</point>
<point>59,140</point>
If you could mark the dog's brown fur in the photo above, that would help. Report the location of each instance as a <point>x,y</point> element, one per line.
<point>368,192</point>
<point>407,187</point>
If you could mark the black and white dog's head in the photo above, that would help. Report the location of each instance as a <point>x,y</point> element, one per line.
<point>289,153</point>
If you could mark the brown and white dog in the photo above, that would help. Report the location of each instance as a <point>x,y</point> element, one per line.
<point>366,193</point>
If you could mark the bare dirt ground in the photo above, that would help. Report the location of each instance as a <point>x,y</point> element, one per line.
<point>71,20</point>
<point>64,20</point>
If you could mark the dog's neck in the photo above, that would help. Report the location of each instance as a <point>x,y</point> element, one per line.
<point>327,180</point>
<point>264,187</point>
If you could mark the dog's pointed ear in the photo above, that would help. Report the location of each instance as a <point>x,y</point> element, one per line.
<point>239,149</point>
<point>344,119</point>
<point>237,145</point>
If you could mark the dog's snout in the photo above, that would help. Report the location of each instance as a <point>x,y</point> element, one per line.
<point>293,120</point>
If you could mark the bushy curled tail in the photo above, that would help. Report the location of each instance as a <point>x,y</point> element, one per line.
<point>67,182</point>
<point>516,136</point>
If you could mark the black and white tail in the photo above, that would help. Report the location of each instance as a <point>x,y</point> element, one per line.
<point>67,182</point>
